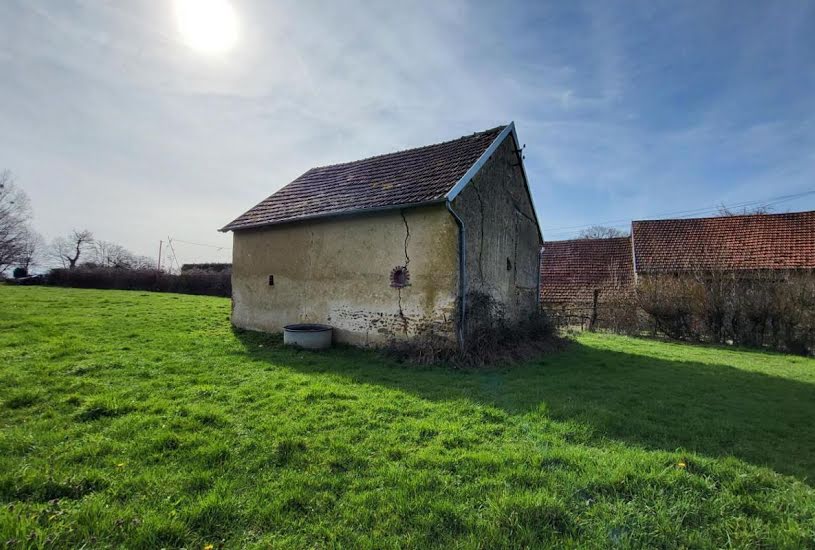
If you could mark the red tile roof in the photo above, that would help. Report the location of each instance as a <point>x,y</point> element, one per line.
<point>763,241</point>
<point>409,177</point>
<point>572,270</point>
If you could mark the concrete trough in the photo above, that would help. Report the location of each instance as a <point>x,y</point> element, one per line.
<point>308,335</point>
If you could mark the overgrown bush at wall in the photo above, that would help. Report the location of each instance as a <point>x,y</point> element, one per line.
<point>671,306</point>
<point>210,283</point>
<point>489,337</point>
<point>762,309</point>
<point>768,309</point>
<point>617,313</point>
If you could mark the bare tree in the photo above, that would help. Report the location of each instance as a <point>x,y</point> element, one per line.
<point>724,211</point>
<point>57,251</point>
<point>31,251</point>
<point>68,250</point>
<point>601,232</point>
<point>143,262</point>
<point>15,213</point>
<point>110,254</point>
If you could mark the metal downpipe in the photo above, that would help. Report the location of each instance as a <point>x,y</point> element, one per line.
<point>462,270</point>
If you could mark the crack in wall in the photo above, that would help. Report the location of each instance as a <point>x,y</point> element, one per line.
<point>407,262</point>
<point>402,313</point>
<point>515,254</point>
<point>515,203</point>
<point>522,213</point>
<point>407,236</point>
<point>517,236</point>
<point>481,240</point>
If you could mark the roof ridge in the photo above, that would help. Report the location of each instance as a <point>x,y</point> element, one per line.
<point>409,150</point>
<point>729,217</point>
<point>743,242</point>
<point>594,239</point>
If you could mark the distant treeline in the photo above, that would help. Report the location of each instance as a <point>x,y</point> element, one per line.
<point>190,281</point>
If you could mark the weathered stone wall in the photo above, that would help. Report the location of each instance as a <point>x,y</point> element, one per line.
<point>502,237</point>
<point>337,271</point>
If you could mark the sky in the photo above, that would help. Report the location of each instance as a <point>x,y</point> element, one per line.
<point>110,121</point>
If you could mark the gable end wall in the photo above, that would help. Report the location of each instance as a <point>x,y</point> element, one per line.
<point>503,242</point>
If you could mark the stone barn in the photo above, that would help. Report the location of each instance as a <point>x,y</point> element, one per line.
<point>384,248</point>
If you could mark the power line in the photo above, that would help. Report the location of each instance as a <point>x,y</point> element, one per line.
<point>683,213</point>
<point>202,244</point>
<point>172,248</point>
<point>173,257</point>
<point>679,213</point>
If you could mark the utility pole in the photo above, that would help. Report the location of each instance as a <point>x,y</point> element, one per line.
<point>172,249</point>
<point>158,267</point>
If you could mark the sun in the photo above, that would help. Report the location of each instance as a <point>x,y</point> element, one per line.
<point>207,26</point>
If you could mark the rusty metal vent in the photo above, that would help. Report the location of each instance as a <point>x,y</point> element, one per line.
<point>400,276</point>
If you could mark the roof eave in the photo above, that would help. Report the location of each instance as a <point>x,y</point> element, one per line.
<point>352,212</point>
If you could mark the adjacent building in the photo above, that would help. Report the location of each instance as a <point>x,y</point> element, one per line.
<point>580,276</point>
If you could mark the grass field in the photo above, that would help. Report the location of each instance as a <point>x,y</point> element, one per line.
<point>144,420</point>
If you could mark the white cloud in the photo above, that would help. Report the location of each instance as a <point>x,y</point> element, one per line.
<point>112,123</point>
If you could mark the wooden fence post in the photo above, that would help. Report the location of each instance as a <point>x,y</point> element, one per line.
<point>593,320</point>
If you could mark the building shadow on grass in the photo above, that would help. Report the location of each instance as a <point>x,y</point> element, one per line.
<point>715,410</point>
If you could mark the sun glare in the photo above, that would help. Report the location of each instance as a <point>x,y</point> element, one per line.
<point>208,26</point>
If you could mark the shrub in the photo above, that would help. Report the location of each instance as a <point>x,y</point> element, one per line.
<point>488,338</point>
<point>207,267</point>
<point>669,303</point>
<point>769,309</point>
<point>210,283</point>
<point>619,313</point>
<point>775,311</point>
<point>20,272</point>
<point>616,312</point>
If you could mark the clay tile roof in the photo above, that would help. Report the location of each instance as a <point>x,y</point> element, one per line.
<point>761,241</point>
<point>410,177</point>
<point>572,270</point>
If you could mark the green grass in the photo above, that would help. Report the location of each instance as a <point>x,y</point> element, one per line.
<point>144,420</point>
